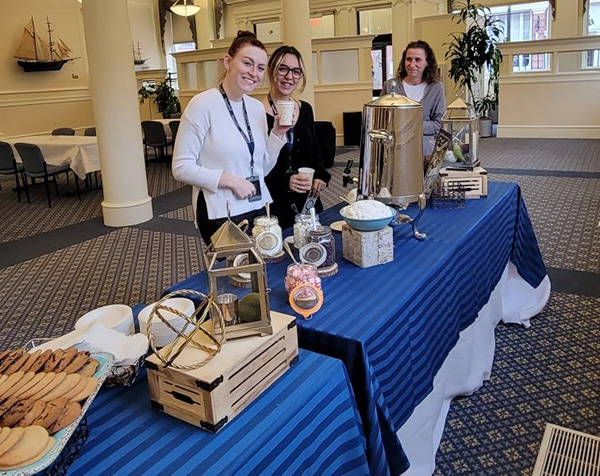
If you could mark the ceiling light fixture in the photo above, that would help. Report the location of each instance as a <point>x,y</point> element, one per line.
<point>185,8</point>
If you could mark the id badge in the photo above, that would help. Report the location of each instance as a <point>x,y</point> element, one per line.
<point>254,180</point>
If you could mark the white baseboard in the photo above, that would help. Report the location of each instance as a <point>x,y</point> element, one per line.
<point>550,132</point>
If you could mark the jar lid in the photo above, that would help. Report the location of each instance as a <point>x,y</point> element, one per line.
<point>313,253</point>
<point>242,260</point>
<point>268,243</point>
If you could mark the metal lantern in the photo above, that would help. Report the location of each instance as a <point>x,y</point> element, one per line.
<point>462,122</point>
<point>245,310</point>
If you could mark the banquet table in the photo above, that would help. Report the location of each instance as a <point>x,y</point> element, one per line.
<point>79,152</point>
<point>305,423</point>
<point>394,325</point>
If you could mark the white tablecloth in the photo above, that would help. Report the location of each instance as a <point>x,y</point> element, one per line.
<point>79,152</point>
<point>468,365</point>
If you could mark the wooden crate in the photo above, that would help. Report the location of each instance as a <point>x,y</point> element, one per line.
<point>211,396</point>
<point>474,182</point>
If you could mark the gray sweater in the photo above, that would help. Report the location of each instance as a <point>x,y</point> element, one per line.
<point>434,106</point>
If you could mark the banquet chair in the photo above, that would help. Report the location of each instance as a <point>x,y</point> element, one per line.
<point>9,166</point>
<point>174,125</point>
<point>90,131</point>
<point>63,131</point>
<point>36,167</point>
<point>155,137</point>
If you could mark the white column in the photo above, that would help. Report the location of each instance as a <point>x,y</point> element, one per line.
<point>402,28</point>
<point>116,112</point>
<point>295,27</point>
<point>345,21</point>
<point>205,23</point>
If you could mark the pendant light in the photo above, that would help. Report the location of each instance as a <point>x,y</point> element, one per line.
<point>185,8</point>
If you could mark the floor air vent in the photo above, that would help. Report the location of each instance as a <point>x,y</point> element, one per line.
<point>567,452</point>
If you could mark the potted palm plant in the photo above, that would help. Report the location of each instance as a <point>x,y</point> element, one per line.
<point>164,96</point>
<point>474,56</point>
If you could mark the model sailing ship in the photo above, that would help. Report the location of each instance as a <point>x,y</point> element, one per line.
<point>35,54</point>
<point>137,55</point>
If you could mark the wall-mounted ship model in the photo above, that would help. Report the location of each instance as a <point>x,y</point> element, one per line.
<point>37,54</point>
<point>137,55</point>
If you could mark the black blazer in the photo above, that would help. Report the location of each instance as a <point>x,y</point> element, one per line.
<point>303,153</point>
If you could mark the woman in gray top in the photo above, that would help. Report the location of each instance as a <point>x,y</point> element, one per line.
<point>417,78</point>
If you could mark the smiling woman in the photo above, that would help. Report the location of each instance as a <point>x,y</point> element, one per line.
<point>417,78</point>
<point>289,188</point>
<point>223,148</point>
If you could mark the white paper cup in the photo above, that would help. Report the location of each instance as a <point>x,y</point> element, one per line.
<point>307,172</point>
<point>286,112</point>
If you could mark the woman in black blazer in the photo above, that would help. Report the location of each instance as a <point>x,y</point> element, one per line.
<point>288,187</point>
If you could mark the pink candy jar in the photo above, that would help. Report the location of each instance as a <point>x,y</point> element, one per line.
<point>301,273</point>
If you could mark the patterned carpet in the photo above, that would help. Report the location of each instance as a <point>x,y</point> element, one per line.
<point>547,373</point>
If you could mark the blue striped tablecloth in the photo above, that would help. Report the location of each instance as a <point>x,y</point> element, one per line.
<point>306,423</point>
<point>393,325</point>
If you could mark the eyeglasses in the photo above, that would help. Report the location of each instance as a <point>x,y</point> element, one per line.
<point>283,70</point>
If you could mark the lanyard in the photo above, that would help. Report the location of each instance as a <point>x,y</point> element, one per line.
<point>290,132</point>
<point>248,138</point>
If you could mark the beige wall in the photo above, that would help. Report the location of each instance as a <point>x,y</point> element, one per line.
<point>36,103</point>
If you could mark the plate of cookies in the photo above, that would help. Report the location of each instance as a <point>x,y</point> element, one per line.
<point>43,396</point>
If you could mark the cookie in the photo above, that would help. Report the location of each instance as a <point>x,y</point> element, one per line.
<point>32,357</point>
<point>33,441</point>
<point>83,382</point>
<point>11,440</point>
<point>69,414</point>
<point>16,412</point>
<point>66,359</point>
<point>3,378</point>
<point>43,383</point>
<point>57,380</point>
<point>51,413</point>
<point>89,369</point>
<point>79,361</point>
<point>40,361</point>
<point>6,405</point>
<point>68,384</point>
<point>48,447</point>
<point>87,391</point>
<point>10,358</point>
<point>24,388</point>
<point>4,354</point>
<point>33,414</point>
<point>53,361</point>
<point>24,380</point>
<point>9,382</point>
<point>4,434</point>
<point>17,364</point>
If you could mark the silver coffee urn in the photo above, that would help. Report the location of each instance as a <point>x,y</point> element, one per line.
<point>391,154</point>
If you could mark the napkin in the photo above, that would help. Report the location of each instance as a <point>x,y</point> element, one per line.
<point>99,338</point>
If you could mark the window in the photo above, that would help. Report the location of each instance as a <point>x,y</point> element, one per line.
<point>322,26</point>
<point>526,22</point>
<point>592,27</point>
<point>178,47</point>
<point>375,22</point>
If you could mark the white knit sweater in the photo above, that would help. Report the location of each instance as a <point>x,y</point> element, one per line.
<point>208,144</point>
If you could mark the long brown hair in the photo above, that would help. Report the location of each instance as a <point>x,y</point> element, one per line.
<point>430,73</point>
<point>277,58</point>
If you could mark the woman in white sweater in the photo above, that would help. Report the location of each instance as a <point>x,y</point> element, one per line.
<point>223,149</point>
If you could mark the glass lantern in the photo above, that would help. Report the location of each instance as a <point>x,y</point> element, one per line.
<point>462,122</point>
<point>246,310</point>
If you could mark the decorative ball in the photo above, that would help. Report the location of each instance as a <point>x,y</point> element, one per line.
<point>186,336</point>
